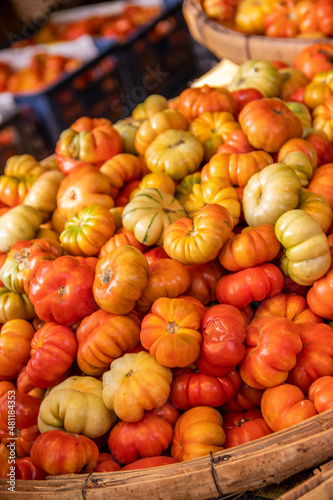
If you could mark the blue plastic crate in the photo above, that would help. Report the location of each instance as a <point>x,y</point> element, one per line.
<point>114,82</point>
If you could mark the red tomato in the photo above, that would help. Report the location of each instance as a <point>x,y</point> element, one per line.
<point>316,357</point>
<point>246,398</point>
<point>243,96</point>
<point>222,348</point>
<point>53,350</point>
<point>197,389</point>
<point>273,344</point>
<point>150,436</point>
<point>59,452</point>
<point>23,426</point>
<point>25,469</point>
<point>243,427</point>
<point>253,284</point>
<point>61,290</point>
<point>106,463</point>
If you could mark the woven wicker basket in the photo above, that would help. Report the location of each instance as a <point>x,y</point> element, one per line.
<point>226,43</point>
<point>251,466</point>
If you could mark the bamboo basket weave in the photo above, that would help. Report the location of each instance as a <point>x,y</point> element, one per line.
<point>251,466</point>
<point>226,43</point>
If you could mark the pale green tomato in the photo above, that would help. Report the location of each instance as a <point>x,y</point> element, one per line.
<point>270,193</point>
<point>307,255</point>
<point>260,75</point>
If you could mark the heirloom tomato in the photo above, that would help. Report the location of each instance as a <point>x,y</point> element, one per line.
<point>285,405</point>
<point>314,58</point>
<point>291,306</point>
<point>251,247</point>
<point>155,125</point>
<point>269,123</point>
<point>136,382</point>
<point>196,100</point>
<point>122,169</point>
<point>320,295</point>
<point>123,236</point>
<point>58,452</point>
<point>321,393</point>
<point>18,223</point>
<point>88,140</point>
<point>83,186</point>
<point>323,117</point>
<point>198,431</point>
<point>237,168</point>
<point>246,398</point>
<point>23,425</point>
<point>76,396</point>
<point>25,469</point>
<point>243,96</point>
<point>307,256</point>
<point>272,346</point>
<point>53,350</point>
<point>13,190</point>
<point>150,436</point>
<point>175,152</point>
<point>256,283</point>
<point>223,336</point>
<point>243,427</point>
<point>120,278</point>
<point>199,240</point>
<point>22,165</point>
<point>292,80</point>
<point>204,278</point>
<point>61,290</point>
<point>171,332</point>
<point>236,142</point>
<point>149,213</point>
<point>318,206</point>
<point>260,75</point>
<point>198,389</point>
<point>184,188</point>
<point>103,337</point>
<point>324,16</point>
<point>316,357</point>
<point>23,261</point>
<point>86,231</point>
<point>15,306</point>
<point>166,278</point>
<point>15,338</point>
<point>281,23</point>
<point>270,193</point>
<point>43,193</point>
<point>25,385</point>
<point>151,105</point>
<point>215,190</point>
<point>322,182</point>
<point>127,130</point>
<point>106,463</point>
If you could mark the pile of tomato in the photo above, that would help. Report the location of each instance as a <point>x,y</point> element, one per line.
<point>274,18</point>
<point>167,279</point>
<point>117,26</point>
<point>43,70</point>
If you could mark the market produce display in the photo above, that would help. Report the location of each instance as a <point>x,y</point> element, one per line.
<point>117,25</point>
<point>43,70</point>
<point>274,18</point>
<point>167,280</point>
